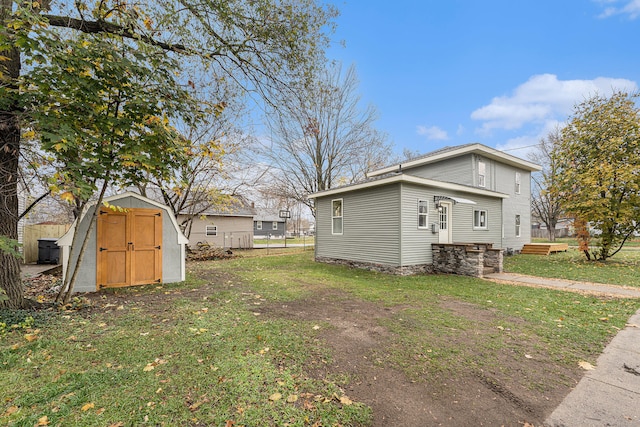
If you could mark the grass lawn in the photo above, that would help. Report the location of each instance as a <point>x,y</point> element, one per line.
<point>622,269</point>
<point>197,353</point>
<point>298,240</point>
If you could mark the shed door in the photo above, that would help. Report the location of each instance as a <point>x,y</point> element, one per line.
<point>444,235</point>
<point>129,247</point>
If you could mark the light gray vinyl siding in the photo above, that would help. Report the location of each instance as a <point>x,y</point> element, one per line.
<point>517,204</point>
<point>462,220</point>
<point>457,169</point>
<point>371,230</point>
<point>416,242</point>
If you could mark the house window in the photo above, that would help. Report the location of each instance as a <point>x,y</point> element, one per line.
<point>336,216</point>
<point>479,219</point>
<point>423,214</point>
<point>258,225</point>
<point>517,182</point>
<point>211,230</point>
<point>517,225</point>
<point>274,225</point>
<point>482,170</point>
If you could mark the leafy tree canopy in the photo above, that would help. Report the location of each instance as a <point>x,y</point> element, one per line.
<point>598,160</point>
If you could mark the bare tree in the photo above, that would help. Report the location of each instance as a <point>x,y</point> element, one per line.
<point>545,203</point>
<point>321,138</point>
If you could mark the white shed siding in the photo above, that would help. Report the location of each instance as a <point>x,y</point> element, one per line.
<point>371,231</point>
<point>456,170</point>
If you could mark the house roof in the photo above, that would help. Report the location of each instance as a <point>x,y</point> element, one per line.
<point>458,150</point>
<point>403,177</point>
<point>67,238</point>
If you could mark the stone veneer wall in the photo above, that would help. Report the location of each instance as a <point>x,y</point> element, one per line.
<point>469,259</point>
<point>406,270</point>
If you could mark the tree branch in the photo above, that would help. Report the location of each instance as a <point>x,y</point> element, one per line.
<point>94,27</point>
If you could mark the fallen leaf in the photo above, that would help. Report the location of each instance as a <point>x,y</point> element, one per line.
<point>528,356</point>
<point>43,421</point>
<point>275,397</point>
<point>88,406</point>
<point>149,367</point>
<point>229,423</point>
<point>30,337</point>
<point>118,424</point>
<point>316,327</point>
<point>100,411</point>
<point>586,365</point>
<point>292,398</point>
<point>345,400</point>
<point>11,410</point>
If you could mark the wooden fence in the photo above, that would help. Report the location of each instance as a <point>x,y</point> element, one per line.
<point>39,231</point>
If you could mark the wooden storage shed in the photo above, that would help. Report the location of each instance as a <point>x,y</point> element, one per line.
<point>138,244</point>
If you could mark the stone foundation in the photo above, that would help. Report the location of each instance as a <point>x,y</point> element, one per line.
<point>468,259</point>
<point>406,270</point>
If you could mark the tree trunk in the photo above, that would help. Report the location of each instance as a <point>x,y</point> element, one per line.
<point>9,153</point>
<point>552,233</point>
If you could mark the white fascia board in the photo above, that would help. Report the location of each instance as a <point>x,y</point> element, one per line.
<point>475,148</point>
<point>409,179</point>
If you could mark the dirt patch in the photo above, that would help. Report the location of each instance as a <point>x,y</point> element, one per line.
<point>357,340</point>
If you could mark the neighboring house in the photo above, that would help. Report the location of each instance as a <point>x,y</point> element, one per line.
<point>228,228</point>
<point>137,243</point>
<point>268,226</point>
<point>470,193</point>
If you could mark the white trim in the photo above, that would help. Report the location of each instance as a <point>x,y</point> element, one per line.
<point>425,214</point>
<point>258,225</point>
<point>486,220</point>
<point>477,148</point>
<point>413,180</point>
<point>341,217</point>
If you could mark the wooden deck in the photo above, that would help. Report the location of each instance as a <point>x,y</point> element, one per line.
<point>544,248</point>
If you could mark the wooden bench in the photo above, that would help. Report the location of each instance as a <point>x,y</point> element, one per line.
<point>544,248</point>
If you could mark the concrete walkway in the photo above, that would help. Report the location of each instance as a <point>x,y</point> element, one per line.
<point>567,285</point>
<point>609,394</point>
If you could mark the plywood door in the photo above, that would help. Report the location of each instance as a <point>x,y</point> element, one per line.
<point>146,252</point>
<point>129,247</point>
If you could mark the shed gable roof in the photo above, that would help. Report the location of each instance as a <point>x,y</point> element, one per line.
<point>67,238</point>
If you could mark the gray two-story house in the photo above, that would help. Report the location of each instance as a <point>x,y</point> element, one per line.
<point>468,193</point>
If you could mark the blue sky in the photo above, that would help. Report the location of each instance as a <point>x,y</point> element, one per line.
<point>502,73</point>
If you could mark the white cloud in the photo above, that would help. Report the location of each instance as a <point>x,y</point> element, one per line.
<point>522,145</point>
<point>433,133</point>
<point>631,8</point>
<point>543,98</point>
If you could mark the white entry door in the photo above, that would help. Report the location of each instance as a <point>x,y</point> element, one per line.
<point>444,214</point>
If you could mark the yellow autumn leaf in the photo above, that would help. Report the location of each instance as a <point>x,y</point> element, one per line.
<point>88,406</point>
<point>292,398</point>
<point>11,410</point>
<point>149,367</point>
<point>586,365</point>
<point>67,196</point>
<point>43,421</point>
<point>345,400</point>
<point>30,337</point>
<point>275,397</point>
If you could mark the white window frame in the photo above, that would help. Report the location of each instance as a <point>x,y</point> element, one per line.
<point>423,214</point>
<point>518,223</point>
<point>477,219</point>
<point>211,230</point>
<point>258,225</point>
<point>482,173</point>
<point>335,217</point>
<point>518,182</point>
<point>274,225</point>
